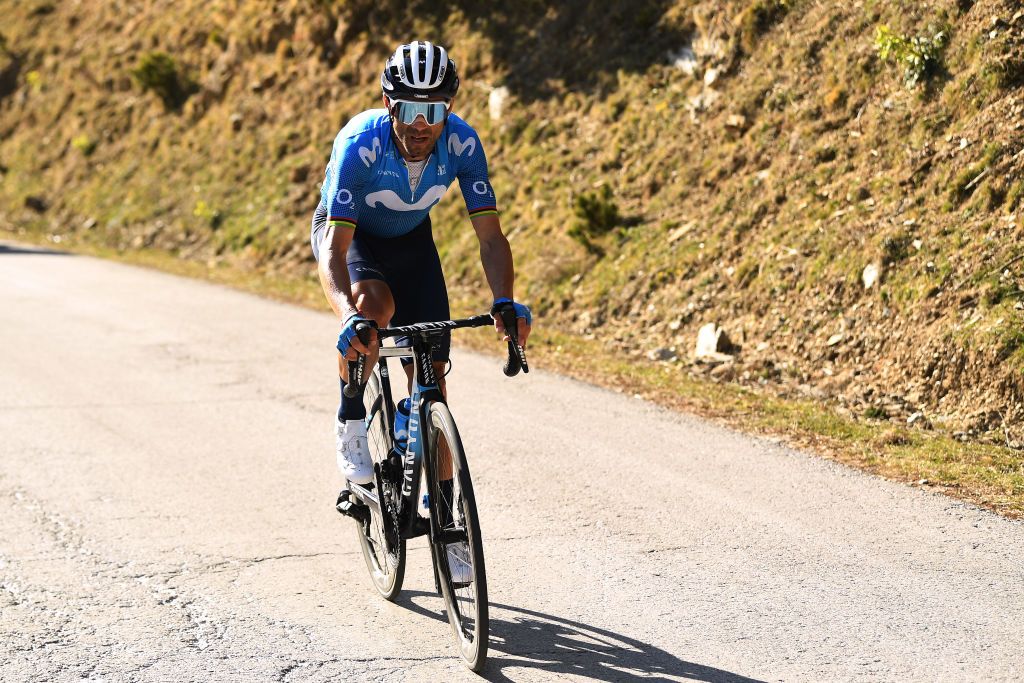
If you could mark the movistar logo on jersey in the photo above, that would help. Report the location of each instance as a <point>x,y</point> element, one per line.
<point>391,200</point>
<point>457,146</point>
<point>369,155</point>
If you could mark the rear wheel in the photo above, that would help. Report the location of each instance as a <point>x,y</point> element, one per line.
<point>460,570</point>
<point>387,569</point>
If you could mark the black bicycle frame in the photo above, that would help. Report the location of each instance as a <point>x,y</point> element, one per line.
<point>425,391</point>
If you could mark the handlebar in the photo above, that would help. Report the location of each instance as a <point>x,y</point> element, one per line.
<point>515,362</point>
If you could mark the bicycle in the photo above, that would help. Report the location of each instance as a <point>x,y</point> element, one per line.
<point>388,509</point>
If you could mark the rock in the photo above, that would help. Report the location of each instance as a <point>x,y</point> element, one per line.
<point>664,354</point>
<point>680,232</point>
<point>870,276</point>
<point>713,343</point>
<point>725,372</point>
<point>710,76</point>
<point>684,59</point>
<point>236,122</point>
<point>834,339</point>
<point>736,121</point>
<point>37,203</point>
<point>496,102</point>
<point>919,419</point>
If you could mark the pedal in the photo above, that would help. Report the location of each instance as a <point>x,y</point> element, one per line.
<point>351,508</point>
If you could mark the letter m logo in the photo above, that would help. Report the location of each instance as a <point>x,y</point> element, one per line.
<point>370,155</point>
<point>457,146</point>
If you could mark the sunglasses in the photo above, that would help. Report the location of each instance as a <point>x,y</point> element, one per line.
<point>406,111</point>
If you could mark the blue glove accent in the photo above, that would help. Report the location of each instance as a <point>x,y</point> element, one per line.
<point>348,331</point>
<point>522,310</point>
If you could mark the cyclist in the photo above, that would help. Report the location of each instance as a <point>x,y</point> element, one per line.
<point>371,232</point>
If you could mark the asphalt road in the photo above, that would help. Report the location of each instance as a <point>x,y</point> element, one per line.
<point>166,487</point>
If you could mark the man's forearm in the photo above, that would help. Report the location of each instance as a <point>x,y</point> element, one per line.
<point>496,258</point>
<point>336,284</point>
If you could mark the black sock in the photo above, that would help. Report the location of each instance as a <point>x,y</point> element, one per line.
<point>351,408</point>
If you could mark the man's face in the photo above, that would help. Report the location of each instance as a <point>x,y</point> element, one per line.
<point>415,140</point>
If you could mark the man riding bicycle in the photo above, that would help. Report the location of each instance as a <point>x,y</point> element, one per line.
<point>371,232</point>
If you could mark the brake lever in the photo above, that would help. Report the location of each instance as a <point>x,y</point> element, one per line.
<point>357,367</point>
<point>516,353</point>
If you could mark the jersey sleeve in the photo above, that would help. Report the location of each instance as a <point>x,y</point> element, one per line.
<point>349,174</point>
<point>477,191</point>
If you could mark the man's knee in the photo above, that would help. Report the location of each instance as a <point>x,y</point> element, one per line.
<point>374,302</point>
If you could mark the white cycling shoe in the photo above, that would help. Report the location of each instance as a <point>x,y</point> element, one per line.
<point>459,564</point>
<point>354,460</point>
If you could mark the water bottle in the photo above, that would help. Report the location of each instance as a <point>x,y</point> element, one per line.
<point>402,425</point>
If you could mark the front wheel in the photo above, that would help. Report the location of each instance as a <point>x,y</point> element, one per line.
<point>387,569</point>
<point>457,551</point>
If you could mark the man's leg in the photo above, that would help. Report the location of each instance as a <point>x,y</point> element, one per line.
<point>374,301</point>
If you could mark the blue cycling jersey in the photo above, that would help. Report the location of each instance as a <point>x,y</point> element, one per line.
<point>366,184</point>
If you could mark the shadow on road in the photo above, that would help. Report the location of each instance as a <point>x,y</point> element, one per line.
<point>534,640</point>
<point>13,249</point>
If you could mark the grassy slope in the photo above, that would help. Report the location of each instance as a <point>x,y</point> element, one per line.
<point>755,202</point>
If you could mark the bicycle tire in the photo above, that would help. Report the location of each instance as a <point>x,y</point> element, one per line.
<point>387,570</point>
<point>466,603</point>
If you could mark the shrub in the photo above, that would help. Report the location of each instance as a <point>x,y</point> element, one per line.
<point>896,247</point>
<point>1015,195</point>
<point>920,57</point>
<point>158,72</point>
<point>34,80</point>
<point>875,413</point>
<point>596,214</point>
<point>213,217</point>
<point>84,144</point>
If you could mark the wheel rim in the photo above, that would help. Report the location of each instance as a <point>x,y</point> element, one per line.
<point>384,567</point>
<point>466,602</point>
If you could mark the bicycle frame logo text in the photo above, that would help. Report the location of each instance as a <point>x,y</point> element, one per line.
<point>409,461</point>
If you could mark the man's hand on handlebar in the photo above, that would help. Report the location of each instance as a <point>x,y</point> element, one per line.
<point>350,343</point>
<point>524,320</point>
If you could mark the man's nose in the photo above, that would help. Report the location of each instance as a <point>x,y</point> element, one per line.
<point>420,123</point>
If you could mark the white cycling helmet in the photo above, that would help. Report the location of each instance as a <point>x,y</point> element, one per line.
<point>419,70</point>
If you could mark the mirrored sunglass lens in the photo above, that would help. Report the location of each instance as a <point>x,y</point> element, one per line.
<point>433,112</point>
